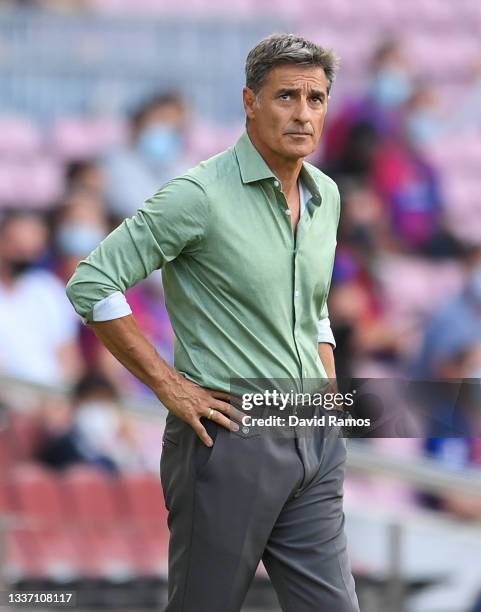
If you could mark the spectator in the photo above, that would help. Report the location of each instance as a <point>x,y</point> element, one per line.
<point>409,187</point>
<point>353,136</point>
<point>457,410</point>
<point>81,224</point>
<point>456,324</point>
<point>85,175</point>
<point>156,153</point>
<point>37,329</point>
<point>91,430</point>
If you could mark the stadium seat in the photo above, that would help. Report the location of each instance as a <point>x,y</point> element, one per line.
<point>37,182</point>
<point>149,544</point>
<point>144,500</point>
<point>98,532</point>
<point>146,522</point>
<point>6,458</point>
<point>37,495</point>
<point>57,557</point>
<point>105,551</point>
<point>25,433</point>
<point>21,558</point>
<point>90,496</point>
<point>74,138</point>
<point>20,137</point>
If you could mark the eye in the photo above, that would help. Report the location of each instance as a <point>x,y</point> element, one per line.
<point>285,96</point>
<point>318,99</point>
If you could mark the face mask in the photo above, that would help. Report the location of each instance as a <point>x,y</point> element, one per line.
<point>160,143</point>
<point>79,239</point>
<point>422,127</point>
<point>98,422</point>
<point>390,87</point>
<point>20,266</point>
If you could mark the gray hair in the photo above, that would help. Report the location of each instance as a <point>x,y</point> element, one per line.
<point>279,49</point>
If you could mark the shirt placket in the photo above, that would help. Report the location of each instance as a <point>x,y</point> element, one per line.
<point>294,243</point>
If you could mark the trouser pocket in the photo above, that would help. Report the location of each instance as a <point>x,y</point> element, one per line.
<point>204,456</point>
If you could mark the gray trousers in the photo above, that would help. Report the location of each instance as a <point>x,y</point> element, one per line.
<point>255,495</point>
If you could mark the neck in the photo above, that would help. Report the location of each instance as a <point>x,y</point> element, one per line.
<point>286,169</point>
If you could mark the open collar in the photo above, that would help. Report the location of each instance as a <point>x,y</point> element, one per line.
<point>254,168</point>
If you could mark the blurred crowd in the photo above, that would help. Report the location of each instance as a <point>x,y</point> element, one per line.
<point>406,291</point>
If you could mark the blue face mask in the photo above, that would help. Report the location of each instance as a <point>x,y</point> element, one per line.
<point>391,88</point>
<point>160,143</point>
<point>79,239</point>
<point>422,127</point>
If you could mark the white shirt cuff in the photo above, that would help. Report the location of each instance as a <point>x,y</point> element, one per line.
<point>324,332</point>
<point>113,306</point>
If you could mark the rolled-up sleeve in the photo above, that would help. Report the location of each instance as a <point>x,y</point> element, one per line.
<point>173,220</point>
<point>324,332</point>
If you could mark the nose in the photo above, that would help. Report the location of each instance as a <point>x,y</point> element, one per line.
<point>302,113</point>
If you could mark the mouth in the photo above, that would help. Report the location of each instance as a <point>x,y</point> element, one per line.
<point>297,134</point>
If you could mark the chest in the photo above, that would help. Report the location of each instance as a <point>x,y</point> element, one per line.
<point>253,243</point>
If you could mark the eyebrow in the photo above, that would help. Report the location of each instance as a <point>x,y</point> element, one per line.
<point>291,90</point>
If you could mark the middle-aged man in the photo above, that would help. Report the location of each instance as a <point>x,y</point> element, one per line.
<point>246,241</point>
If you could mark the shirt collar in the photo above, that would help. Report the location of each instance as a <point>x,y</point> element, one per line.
<point>251,163</point>
<point>254,168</point>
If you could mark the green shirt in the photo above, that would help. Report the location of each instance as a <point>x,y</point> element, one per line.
<point>244,294</point>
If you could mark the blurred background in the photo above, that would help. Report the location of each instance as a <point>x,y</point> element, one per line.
<point>101,101</point>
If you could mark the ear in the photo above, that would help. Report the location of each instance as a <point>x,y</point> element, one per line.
<point>250,102</point>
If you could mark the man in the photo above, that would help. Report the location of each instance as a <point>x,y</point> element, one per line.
<point>246,241</point>
<point>38,330</point>
<point>156,151</point>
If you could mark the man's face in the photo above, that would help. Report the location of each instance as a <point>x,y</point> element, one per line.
<point>288,115</point>
<point>23,239</point>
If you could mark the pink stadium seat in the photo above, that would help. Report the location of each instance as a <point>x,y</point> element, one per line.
<point>20,137</point>
<point>25,433</point>
<point>6,503</point>
<point>37,494</point>
<point>36,182</point>
<point>150,544</point>
<point>144,500</point>
<point>104,551</point>
<point>414,286</point>
<point>56,554</point>
<point>21,555</point>
<point>103,540</point>
<point>6,458</point>
<point>37,504</point>
<point>84,138</point>
<point>90,497</point>
<point>146,522</point>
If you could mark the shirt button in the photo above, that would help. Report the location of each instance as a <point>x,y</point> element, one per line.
<point>245,430</point>
<point>288,211</point>
<point>276,183</point>
<point>296,293</point>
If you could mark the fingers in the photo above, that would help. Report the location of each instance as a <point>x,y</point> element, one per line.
<point>227,397</point>
<point>221,412</point>
<point>201,431</point>
<point>220,419</point>
<point>228,409</point>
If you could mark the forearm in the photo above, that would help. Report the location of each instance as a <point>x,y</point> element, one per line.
<point>124,339</point>
<point>326,354</point>
<point>188,401</point>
